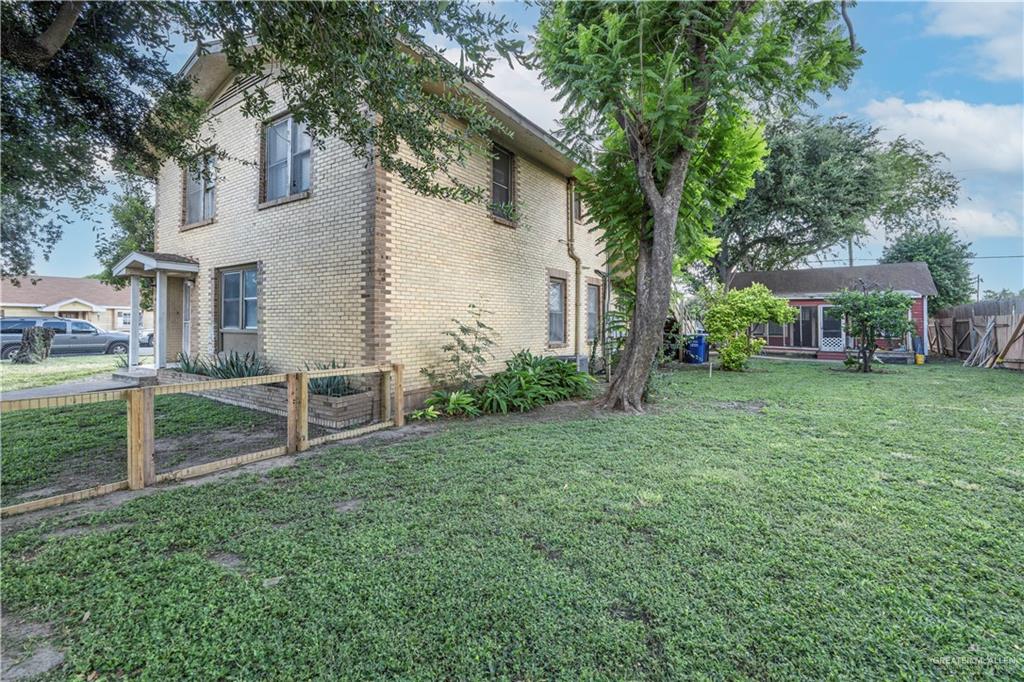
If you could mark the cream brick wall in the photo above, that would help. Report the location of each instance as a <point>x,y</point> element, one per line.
<point>312,253</point>
<point>447,255</point>
<point>367,271</point>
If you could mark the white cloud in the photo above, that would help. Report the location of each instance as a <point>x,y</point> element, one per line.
<point>983,221</point>
<point>975,137</point>
<point>998,26</point>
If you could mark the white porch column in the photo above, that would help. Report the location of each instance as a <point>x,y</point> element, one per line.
<point>136,315</point>
<point>160,337</point>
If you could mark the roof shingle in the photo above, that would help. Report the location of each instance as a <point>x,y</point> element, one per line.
<point>48,290</point>
<point>897,276</point>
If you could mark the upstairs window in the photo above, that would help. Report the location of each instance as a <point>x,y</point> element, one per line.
<point>577,207</point>
<point>286,153</point>
<point>200,191</point>
<point>502,179</point>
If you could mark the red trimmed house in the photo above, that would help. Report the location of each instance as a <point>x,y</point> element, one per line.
<point>815,334</point>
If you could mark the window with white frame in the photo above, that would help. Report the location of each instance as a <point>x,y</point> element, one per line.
<point>239,298</point>
<point>124,318</point>
<point>593,311</point>
<point>556,311</point>
<point>200,190</point>
<point>287,149</point>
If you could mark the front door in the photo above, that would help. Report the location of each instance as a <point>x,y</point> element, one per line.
<point>186,317</point>
<point>833,337</point>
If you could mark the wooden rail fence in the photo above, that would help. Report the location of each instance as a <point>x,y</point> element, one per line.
<point>141,464</point>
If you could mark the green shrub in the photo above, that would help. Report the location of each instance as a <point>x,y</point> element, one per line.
<point>334,387</point>
<point>427,414</point>
<point>530,381</point>
<point>234,366</point>
<point>467,353</point>
<point>453,403</point>
<point>731,314</point>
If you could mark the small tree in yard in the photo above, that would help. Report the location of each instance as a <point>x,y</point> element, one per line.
<point>871,315</point>
<point>730,316</point>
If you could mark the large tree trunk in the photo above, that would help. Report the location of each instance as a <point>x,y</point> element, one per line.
<point>647,326</point>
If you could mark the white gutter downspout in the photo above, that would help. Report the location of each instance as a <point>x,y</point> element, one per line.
<point>570,244</point>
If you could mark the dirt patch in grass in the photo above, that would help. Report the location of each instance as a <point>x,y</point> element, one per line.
<point>751,406</point>
<point>26,649</point>
<point>348,506</point>
<point>73,531</point>
<point>227,560</point>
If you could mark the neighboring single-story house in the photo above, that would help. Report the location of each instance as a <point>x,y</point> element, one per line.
<point>306,253</point>
<point>78,298</point>
<point>819,335</point>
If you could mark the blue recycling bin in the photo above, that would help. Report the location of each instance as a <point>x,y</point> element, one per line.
<point>697,349</point>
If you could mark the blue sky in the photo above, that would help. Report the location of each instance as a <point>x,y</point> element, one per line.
<point>949,74</point>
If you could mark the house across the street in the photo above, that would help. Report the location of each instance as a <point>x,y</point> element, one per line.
<point>303,252</point>
<point>819,335</point>
<point>76,298</point>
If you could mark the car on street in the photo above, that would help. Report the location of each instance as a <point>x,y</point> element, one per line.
<point>71,337</point>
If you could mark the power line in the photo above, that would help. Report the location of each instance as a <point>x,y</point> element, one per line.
<point>875,260</point>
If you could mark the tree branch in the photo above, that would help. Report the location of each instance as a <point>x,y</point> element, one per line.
<point>35,54</point>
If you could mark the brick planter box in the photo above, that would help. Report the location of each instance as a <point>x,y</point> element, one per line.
<point>333,413</point>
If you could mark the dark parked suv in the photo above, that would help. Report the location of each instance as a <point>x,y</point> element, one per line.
<point>72,337</point>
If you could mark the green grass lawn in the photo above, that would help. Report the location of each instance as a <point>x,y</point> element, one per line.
<point>791,522</point>
<point>56,370</point>
<point>71,448</point>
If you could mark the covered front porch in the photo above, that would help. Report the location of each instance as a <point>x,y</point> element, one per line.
<point>173,277</point>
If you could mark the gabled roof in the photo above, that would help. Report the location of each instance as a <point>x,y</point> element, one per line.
<point>209,70</point>
<point>49,293</point>
<point>139,262</point>
<point>906,277</point>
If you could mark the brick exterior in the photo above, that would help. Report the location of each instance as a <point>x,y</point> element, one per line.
<point>364,270</point>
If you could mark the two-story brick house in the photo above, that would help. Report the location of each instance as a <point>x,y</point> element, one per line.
<point>306,253</point>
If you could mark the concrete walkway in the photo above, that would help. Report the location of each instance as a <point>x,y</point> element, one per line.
<point>70,388</point>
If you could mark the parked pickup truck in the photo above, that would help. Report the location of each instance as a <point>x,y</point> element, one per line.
<point>72,337</point>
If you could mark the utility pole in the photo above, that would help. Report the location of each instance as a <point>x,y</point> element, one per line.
<point>977,295</point>
<point>849,250</point>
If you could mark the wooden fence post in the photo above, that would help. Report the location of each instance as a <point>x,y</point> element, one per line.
<point>396,369</point>
<point>141,438</point>
<point>298,412</point>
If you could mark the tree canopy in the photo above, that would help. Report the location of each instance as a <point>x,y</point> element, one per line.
<point>87,85</point>
<point>948,259</point>
<point>133,229</point>
<point>824,183</point>
<point>669,77</point>
<point>871,315</point>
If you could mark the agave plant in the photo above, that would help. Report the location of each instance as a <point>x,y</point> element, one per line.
<point>193,364</point>
<point>330,386</point>
<point>234,366</point>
